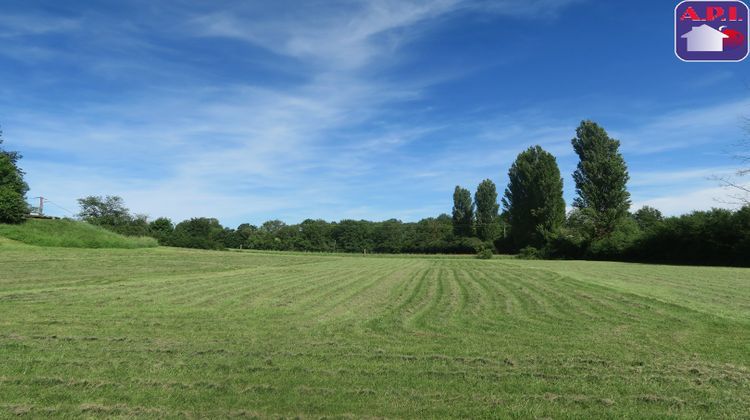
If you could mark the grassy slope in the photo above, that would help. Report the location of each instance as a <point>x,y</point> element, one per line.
<point>161,332</point>
<point>71,234</point>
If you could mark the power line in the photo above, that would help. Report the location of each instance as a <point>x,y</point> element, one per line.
<point>59,206</point>
<point>43,200</point>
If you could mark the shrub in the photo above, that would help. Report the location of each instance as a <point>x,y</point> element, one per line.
<point>484,254</point>
<point>529,253</point>
<point>565,243</point>
<point>617,244</point>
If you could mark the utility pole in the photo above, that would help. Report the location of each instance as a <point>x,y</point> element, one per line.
<point>41,205</point>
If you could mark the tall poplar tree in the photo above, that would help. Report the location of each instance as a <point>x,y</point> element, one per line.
<point>534,197</point>
<point>487,218</point>
<point>463,212</point>
<point>601,178</point>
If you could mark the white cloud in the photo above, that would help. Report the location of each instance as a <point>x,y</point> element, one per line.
<point>680,203</point>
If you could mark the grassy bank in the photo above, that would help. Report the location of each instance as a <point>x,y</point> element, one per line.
<point>70,234</point>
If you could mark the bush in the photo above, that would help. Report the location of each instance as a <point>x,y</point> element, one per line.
<point>617,244</point>
<point>529,253</point>
<point>484,254</point>
<point>504,244</point>
<point>565,243</point>
<point>13,208</point>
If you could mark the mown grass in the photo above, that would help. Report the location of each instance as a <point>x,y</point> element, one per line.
<point>173,333</point>
<point>70,234</point>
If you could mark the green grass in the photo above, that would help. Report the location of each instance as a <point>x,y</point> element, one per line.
<point>165,332</point>
<point>69,234</point>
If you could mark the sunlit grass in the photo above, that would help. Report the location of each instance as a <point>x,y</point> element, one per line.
<point>71,234</point>
<point>171,333</point>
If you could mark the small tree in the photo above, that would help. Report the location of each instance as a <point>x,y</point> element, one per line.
<point>534,197</point>
<point>463,212</point>
<point>161,229</point>
<point>199,232</point>
<point>108,211</point>
<point>601,178</point>
<point>487,210</point>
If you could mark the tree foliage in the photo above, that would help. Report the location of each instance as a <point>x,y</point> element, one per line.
<point>13,207</point>
<point>199,232</point>
<point>104,211</point>
<point>648,217</point>
<point>601,178</point>
<point>487,218</point>
<point>161,229</point>
<point>110,213</point>
<point>13,189</point>
<point>717,236</point>
<point>534,197</point>
<point>11,177</point>
<point>463,213</point>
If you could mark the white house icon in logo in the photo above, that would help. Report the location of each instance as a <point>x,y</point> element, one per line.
<point>705,39</point>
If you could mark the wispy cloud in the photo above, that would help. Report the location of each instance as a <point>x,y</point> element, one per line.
<point>685,128</point>
<point>677,177</point>
<point>24,25</point>
<point>343,37</point>
<point>185,134</point>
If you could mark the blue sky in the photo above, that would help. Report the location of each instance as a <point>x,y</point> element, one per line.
<point>247,111</point>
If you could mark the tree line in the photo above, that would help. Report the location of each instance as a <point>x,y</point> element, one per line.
<point>529,219</point>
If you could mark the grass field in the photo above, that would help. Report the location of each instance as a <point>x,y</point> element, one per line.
<point>164,332</point>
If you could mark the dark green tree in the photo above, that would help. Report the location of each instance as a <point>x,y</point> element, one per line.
<point>13,207</point>
<point>13,189</point>
<point>601,178</point>
<point>201,232</point>
<point>433,235</point>
<point>389,237</point>
<point>11,176</point>
<point>463,213</point>
<point>161,229</point>
<point>648,217</point>
<point>354,236</point>
<point>486,210</point>
<point>534,197</point>
<point>244,233</point>
<point>315,235</point>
